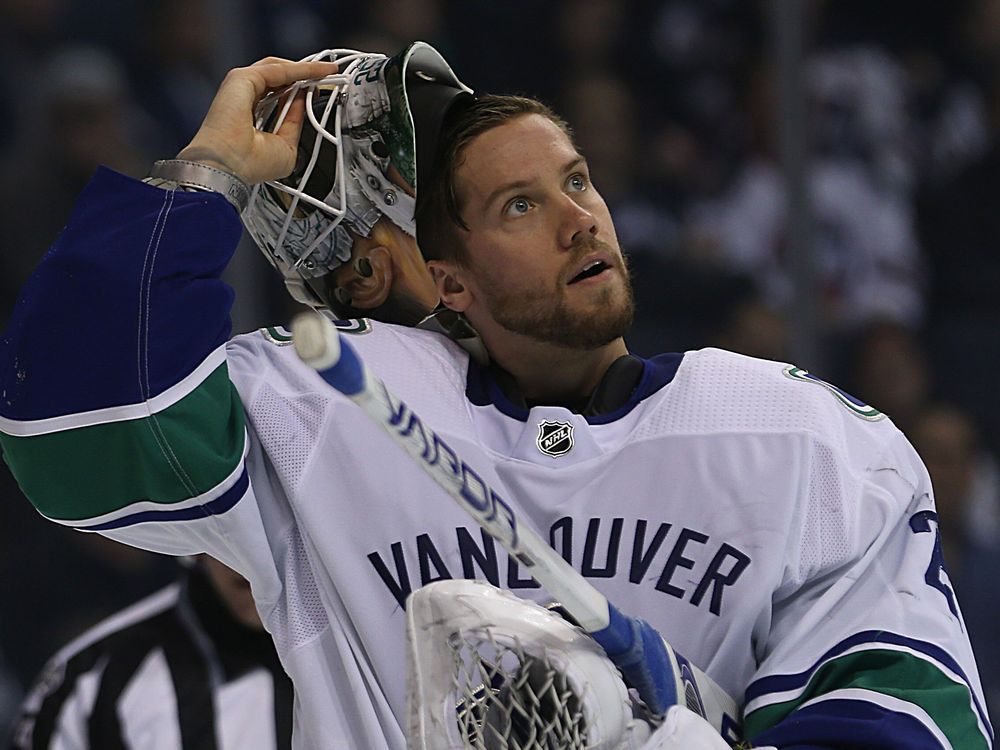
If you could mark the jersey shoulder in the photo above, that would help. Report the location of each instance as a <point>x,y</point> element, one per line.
<point>420,366</point>
<point>717,391</point>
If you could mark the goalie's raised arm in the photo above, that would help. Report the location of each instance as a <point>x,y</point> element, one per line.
<point>227,138</point>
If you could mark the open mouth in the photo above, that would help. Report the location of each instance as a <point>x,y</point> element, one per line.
<point>590,270</point>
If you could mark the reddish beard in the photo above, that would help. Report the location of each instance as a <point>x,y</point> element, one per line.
<point>548,316</point>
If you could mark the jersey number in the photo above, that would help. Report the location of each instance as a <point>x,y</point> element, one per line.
<point>936,575</point>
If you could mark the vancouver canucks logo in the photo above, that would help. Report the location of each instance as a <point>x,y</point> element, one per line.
<point>857,407</point>
<point>281,336</point>
<point>554,438</point>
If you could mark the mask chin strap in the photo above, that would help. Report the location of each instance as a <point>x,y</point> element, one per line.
<point>457,328</point>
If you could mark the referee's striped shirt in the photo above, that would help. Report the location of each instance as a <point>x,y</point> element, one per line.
<point>172,672</point>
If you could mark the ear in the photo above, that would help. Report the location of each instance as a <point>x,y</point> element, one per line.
<point>368,291</point>
<point>451,285</point>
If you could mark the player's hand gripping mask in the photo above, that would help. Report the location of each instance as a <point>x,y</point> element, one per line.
<point>367,129</point>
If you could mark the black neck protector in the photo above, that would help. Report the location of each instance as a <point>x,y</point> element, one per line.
<point>614,390</point>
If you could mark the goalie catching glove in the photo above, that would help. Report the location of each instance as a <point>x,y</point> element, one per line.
<point>490,670</point>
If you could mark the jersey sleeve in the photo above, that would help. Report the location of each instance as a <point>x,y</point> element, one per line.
<point>117,413</point>
<point>866,646</point>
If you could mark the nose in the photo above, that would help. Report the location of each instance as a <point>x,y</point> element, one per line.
<point>577,222</point>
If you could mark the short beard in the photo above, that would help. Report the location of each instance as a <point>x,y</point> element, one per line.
<point>538,319</point>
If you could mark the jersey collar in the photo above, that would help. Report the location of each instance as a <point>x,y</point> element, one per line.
<point>628,381</point>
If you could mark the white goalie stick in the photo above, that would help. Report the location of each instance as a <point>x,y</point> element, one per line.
<point>661,676</point>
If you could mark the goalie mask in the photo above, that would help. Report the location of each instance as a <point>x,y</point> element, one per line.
<point>357,161</point>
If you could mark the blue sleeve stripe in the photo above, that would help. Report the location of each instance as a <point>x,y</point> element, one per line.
<point>798,681</point>
<point>854,723</point>
<point>126,304</point>
<point>155,405</point>
<point>130,516</point>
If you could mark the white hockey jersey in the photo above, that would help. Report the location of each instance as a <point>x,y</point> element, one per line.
<point>778,533</point>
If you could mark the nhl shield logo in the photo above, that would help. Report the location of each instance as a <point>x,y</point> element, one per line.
<point>554,438</point>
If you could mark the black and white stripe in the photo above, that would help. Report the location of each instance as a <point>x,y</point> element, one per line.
<point>151,677</point>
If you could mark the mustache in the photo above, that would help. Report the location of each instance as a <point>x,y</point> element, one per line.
<point>584,247</point>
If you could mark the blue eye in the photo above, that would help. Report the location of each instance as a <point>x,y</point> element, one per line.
<point>577,182</point>
<point>517,207</point>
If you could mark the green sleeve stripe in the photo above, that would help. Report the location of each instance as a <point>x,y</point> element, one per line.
<point>899,674</point>
<point>179,453</point>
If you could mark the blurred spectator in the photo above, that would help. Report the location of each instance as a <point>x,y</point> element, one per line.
<point>81,116</point>
<point>967,492</point>
<point>175,65</point>
<point>604,116</point>
<point>862,107</point>
<point>890,372</point>
<point>966,482</point>
<point>29,29</point>
<point>681,305</point>
<point>31,26</point>
<point>607,130</point>
<point>864,238</point>
<point>701,59</point>
<point>189,667</point>
<point>290,28</point>
<point>591,35</point>
<point>960,223</point>
<point>946,126</point>
<point>751,327</point>
<point>980,28</point>
<point>402,21</point>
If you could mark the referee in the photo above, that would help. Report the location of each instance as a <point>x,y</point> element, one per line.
<point>189,667</point>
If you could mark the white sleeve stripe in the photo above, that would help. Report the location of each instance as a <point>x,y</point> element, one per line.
<point>143,409</point>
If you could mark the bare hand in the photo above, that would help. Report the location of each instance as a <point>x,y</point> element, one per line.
<point>228,139</point>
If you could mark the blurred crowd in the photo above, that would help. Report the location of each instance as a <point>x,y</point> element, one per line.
<point>674,104</point>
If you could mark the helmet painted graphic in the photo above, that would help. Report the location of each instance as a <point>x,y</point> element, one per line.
<point>357,160</point>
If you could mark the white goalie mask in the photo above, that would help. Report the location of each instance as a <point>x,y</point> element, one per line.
<point>357,161</point>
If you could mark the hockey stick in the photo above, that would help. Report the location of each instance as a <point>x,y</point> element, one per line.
<point>661,676</point>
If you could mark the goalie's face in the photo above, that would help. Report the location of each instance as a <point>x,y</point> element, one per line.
<point>542,257</point>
